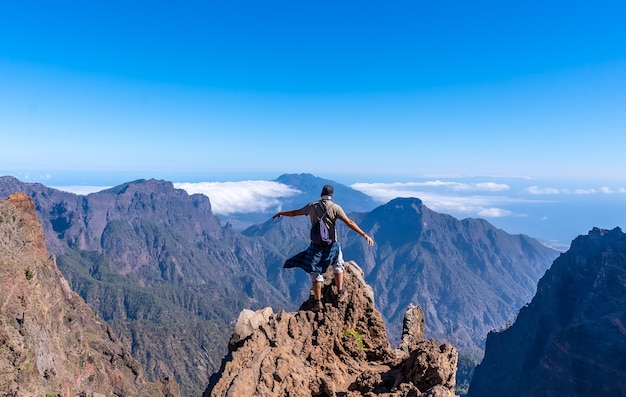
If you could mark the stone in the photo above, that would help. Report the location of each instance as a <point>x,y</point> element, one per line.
<point>342,350</point>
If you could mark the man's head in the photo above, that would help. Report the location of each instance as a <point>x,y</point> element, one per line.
<point>327,190</point>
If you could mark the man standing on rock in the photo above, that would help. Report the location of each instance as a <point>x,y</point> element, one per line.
<point>321,254</point>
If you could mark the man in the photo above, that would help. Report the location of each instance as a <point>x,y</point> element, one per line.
<point>316,259</point>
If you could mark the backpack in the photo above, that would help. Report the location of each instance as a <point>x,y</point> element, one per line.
<point>320,234</point>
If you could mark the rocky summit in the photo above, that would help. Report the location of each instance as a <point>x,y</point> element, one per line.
<point>342,350</point>
<point>51,343</point>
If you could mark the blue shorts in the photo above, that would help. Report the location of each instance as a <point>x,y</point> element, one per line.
<point>337,268</point>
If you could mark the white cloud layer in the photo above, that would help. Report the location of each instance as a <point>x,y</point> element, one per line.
<point>444,197</point>
<point>387,189</point>
<point>545,190</point>
<point>494,212</point>
<point>245,196</point>
<point>536,190</point>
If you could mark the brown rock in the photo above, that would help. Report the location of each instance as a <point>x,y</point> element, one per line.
<point>51,343</point>
<point>412,330</point>
<point>342,350</point>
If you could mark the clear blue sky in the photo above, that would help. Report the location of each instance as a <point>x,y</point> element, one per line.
<point>366,91</point>
<point>510,110</point>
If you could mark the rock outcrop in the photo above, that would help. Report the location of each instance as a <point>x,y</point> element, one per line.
<point>51,343</point>
<point>340,351</point>
<point>571,339</point>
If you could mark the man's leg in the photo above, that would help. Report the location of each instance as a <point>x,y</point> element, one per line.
<point>317,290</point>
<point>338,273</point>
<point>317,280</point>
<point>339,281</point>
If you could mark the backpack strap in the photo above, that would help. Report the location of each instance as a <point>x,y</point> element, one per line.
<point>325,209</point>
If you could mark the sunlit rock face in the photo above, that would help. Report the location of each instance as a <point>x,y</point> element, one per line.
<point>51,343</point>
<point>342,349</point>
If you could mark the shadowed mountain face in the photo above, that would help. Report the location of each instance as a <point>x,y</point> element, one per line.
<point>468,276</point>
<point>51,343</point>
<point>571,339</point>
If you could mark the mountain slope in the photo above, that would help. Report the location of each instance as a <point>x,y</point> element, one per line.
<point>159,268</point>
<point>468,276</point>
<point>571,339</point>
<point>51,343</point>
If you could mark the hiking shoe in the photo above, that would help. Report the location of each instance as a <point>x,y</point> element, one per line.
<point>317,306</point>
<point>341,294</point>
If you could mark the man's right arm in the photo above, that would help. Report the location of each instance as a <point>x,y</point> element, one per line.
<point>352,225</point>
<point>289,213</point>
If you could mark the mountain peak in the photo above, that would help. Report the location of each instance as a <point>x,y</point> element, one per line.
<point>311,186</point>
<point>342,349</point>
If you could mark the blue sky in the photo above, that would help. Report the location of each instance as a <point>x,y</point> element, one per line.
<point>528,94</point>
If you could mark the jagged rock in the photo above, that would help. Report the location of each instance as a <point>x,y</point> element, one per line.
<point>429,365</point>
<point>343,349</point>
<point>570,340</point>
<point>51,343</point>
<point>412,329</point>
<point>249,321</point>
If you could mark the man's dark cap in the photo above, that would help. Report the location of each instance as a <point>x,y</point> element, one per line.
<point>327,190</point>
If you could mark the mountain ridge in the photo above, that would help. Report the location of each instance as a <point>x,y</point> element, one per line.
<point>411,240</point>
<point>160,254</point>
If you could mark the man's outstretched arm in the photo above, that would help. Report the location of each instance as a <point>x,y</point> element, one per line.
<point>288,213</point>
<point>352,225</point>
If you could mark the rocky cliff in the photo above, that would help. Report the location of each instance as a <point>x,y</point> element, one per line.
<point>51,343</point>
<point>571,339</point>
<point>342,350</point>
